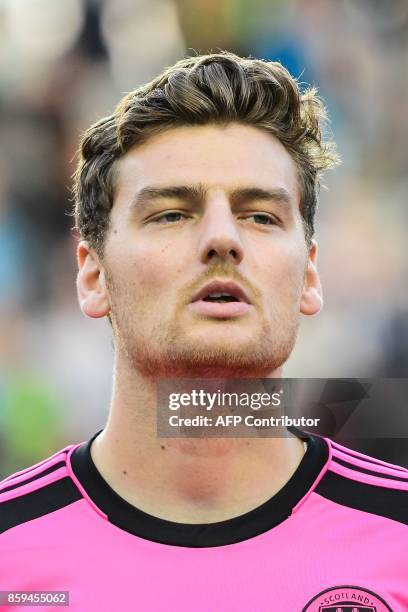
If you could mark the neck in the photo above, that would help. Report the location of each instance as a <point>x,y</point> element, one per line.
<point>186,480</point>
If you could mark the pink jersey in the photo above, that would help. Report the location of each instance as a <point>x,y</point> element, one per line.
<point>334,538</point>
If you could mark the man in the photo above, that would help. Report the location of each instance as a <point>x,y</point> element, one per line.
<point>195,203</point>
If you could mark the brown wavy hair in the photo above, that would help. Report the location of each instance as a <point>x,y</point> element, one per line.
<point>206,89</point>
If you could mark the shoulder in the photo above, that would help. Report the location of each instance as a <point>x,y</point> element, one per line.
<point>37,490</point>
<point>365,483</point>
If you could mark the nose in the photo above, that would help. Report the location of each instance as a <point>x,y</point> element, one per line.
<point>220,236</point>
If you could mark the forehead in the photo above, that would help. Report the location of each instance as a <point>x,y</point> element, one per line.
<point>216,156</point>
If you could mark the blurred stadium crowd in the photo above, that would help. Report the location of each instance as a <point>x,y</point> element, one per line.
<point>65,64</point>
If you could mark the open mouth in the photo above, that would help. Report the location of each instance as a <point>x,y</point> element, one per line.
<point>221,300</point>
<point>221,291</point>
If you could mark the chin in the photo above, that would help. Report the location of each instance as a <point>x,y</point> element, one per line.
<point>218,352</point>
<point>223,342</point>
<point>220,360</point>
<point>224,331</point>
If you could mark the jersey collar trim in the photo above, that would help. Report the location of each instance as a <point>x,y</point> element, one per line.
<point>231,531</point>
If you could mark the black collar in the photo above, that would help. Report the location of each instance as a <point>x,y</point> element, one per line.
<point>275,510</point>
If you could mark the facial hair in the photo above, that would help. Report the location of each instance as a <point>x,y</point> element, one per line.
<point>169,352</point>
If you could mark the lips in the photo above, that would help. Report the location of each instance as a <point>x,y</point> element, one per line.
<point>222,288</point>
<point>221,300</point>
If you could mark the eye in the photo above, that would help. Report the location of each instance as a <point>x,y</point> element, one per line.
<point>262,219</point>
<point>169,217</point>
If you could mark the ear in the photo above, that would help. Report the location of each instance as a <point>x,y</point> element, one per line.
<point>91,287</point>
<point>312,299</point>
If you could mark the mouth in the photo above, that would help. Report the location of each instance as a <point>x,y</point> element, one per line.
<point>222,292</point>
<point>221,299</point>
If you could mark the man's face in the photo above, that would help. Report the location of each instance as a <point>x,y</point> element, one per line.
<point>200,204</point>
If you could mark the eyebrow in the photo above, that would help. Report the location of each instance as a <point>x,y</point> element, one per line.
<point>196,194</point>
<point>278,194</point>
<point>147,195</point>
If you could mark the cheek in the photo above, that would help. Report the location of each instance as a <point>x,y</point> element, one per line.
<point>148,272</point>
<point>284,276</point>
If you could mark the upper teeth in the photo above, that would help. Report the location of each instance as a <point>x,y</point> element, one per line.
<point>216,295</point>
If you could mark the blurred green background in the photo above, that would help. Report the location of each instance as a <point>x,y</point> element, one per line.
<point>65,64</point>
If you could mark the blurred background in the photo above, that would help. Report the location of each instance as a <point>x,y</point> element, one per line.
<point>63,65</point>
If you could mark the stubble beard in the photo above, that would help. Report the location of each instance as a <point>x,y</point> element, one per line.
<point>172,353</point>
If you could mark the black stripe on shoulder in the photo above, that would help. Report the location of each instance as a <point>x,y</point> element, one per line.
<point>366,458</point>
<point>37,503</point>
<point>389,503</point>
<point>54,467</point>
<point>357,468</point>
